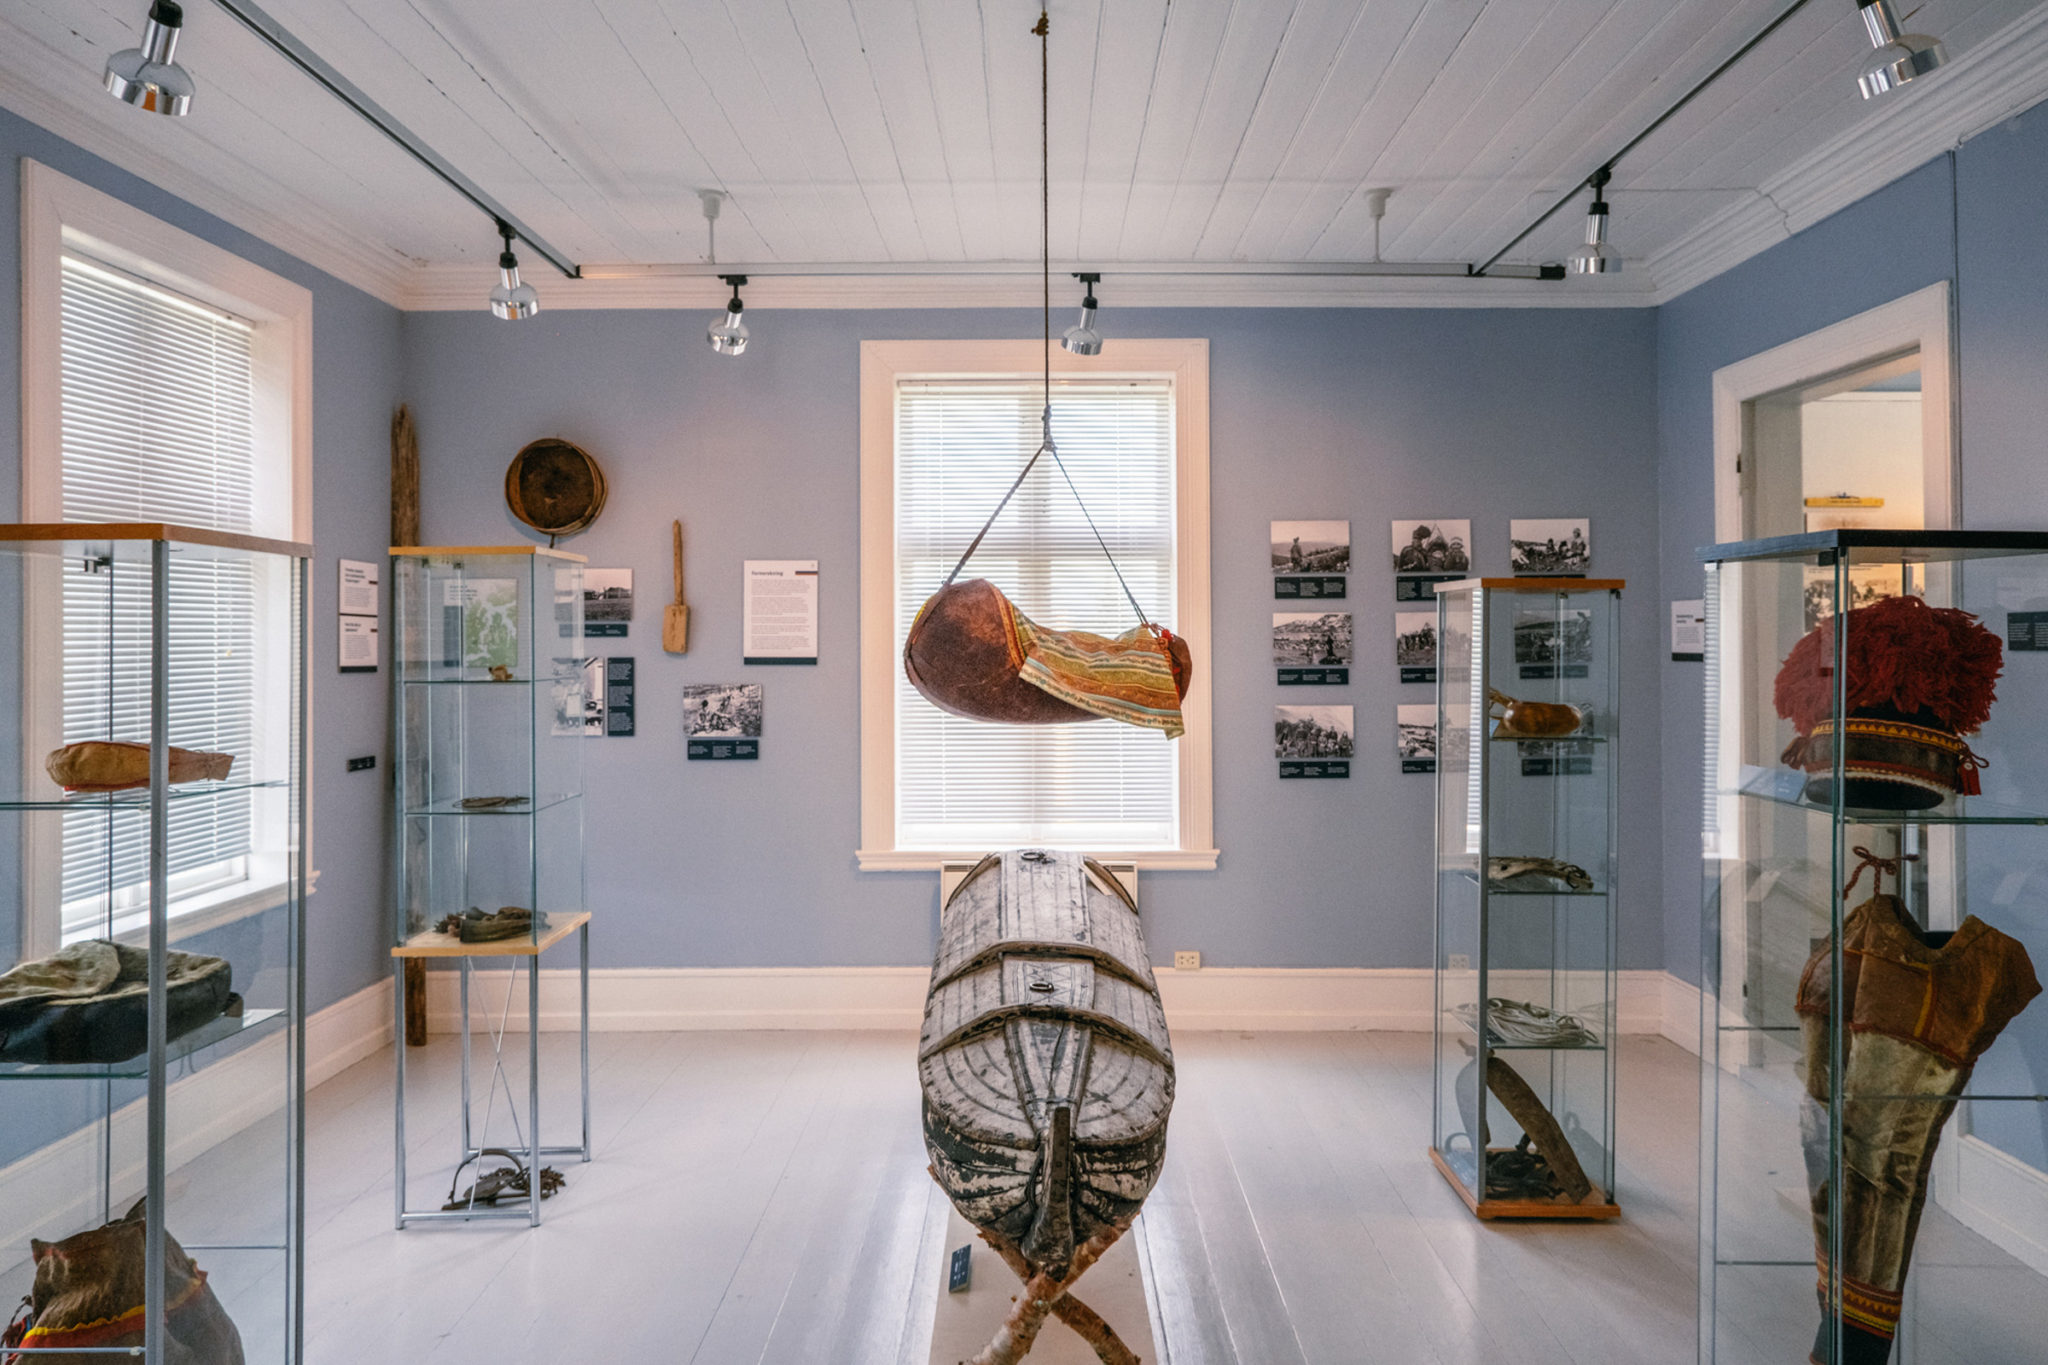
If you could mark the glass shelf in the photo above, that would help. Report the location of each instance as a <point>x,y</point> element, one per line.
<point>1785,787</point>
<point>137,798</point>
<point>1496,1043</point>
<point>470,682</point>
<point>453,806</point>
<point>1548,739</point>
<point>249,1024</point>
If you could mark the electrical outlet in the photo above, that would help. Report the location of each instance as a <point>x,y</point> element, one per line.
<point>1461,962</point>
<point>363,764</point>
<point>1187,962</point>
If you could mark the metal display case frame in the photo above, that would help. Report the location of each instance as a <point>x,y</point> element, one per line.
<point>486,698</point>
<point>1788,1099</point>
<point>1506,941</point>
<point>46,572</point>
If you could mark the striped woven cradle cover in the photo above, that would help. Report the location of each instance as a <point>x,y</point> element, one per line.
<point>1129,678</point>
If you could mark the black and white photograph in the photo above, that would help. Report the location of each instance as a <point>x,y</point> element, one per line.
<point>1555,547</point>
<point>722,720</point>
<point>1425,545</point>
<point>1311,547</point>
<point>607,602</point>
<point>1310,560</point>
<point>1868,583</point>
<point>1312,647</point>
<point>1553,643</point>
<point>1313,741</point>
<point>1415,645</point>
<point>577,691</point>
<point>1415,737</point>
<point>722,710</point>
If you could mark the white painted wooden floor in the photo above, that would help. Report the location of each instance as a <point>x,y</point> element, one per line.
<point>762,1197</point>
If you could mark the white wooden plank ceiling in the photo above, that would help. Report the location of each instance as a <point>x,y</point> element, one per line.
<point>907,130</point>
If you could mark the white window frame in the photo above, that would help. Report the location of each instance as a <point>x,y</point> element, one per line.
<point>59,214</point>
<point>883,364</point>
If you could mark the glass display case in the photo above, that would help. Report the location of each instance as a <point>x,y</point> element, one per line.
<point>1528,745</point>
<point>152,917</point>
<point>492,709</point>
<point>1874,1140</point>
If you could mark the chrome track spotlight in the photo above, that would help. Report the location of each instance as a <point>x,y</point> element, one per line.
<point>1082,338</point>
<point>1596,257</point>
<point>145,76</point>
<point>512,300</point>
<point>1898,57</point>
<point>728,334</point>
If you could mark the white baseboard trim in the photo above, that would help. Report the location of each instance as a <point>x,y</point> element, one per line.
<point>51,1193</point>
<point>1998,1197</point>
<point>667,999</point>
<point>1681,1012</point>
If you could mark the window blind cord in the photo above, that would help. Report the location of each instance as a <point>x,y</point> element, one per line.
<point>1045,442</point>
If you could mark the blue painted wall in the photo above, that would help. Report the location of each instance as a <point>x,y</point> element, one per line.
<point>1979,219</point>
<point>1358,414</point>
<point>356,380</point>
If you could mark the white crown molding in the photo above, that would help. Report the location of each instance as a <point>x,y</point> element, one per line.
<point>293,224</point>
<point>1995,79</point>
<point>1999,77</point>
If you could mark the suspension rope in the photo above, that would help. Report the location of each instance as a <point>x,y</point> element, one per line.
<point>1046,446</point>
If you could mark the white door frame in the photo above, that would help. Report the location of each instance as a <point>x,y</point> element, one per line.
<point>1918,320</point>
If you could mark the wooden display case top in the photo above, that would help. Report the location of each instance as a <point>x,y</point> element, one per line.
<point>1536,585</point>
<point>151,530</point>
<point>443,551</point>
<point>429,943</point>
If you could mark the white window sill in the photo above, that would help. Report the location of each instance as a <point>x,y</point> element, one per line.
<point>1147,860</point>
<point>203,914</point>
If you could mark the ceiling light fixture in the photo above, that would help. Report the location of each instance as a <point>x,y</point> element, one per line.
<point>512,300</point>
<point>1899,57</point>
<point>1082,338</point>
<point>1596,257</point>
<point>145,76</point>
<point>728,335</point>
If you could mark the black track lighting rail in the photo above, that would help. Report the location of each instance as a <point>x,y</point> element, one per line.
<point>707,270</point>
<point>287,45</point>
<point>1492,264</point>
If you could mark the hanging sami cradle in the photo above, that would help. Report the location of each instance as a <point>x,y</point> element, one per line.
<point>972,653</point>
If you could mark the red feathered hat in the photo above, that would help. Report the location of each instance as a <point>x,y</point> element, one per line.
<point>1920,678</point>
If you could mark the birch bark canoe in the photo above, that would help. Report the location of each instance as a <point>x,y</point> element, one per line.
<point>1046,1068</point>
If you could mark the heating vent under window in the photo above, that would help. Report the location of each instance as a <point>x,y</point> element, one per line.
<point>158,420</point>
<point>971,786</point>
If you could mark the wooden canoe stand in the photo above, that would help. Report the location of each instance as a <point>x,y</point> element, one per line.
<point>1045,1294</point>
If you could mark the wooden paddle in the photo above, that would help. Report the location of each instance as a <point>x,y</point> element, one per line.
<point>675,619</point>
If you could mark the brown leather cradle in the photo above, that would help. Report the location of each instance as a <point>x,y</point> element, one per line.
<point>959,657</point>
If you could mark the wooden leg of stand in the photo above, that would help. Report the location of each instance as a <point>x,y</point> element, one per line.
<point>415,1002</point>
<point>1086,1322</point>
<point>1014,1339</point>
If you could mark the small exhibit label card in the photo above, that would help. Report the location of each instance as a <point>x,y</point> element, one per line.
<point>358,646</point>
<point>779,611</point>
<point>358,596</point>
<point>2026,630</point>
<point>1315,767</point>
<point>724,748</point>
<point>1689,631</point>
<point>618,697</point>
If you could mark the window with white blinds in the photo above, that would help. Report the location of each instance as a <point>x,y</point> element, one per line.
<point>965,785</point>
<point>157,425</point>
